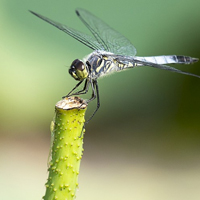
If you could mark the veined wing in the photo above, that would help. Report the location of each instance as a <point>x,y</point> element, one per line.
<point>88,40</point>
<point>111,40</point>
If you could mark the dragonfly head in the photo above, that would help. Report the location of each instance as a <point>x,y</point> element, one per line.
<point>78,70</point>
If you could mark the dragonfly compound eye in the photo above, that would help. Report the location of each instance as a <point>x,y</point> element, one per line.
<point>78,70</point>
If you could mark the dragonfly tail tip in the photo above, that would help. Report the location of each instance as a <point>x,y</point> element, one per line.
<point>195,60</point>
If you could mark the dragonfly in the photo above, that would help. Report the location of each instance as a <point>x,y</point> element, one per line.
<point>112,52</point>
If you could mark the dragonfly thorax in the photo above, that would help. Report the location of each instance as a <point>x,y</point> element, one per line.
<point>78,70</point>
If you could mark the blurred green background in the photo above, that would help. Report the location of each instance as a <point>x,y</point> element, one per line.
<point>144,143</point>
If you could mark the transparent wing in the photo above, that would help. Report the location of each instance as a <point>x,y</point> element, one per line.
<point>88,40</point>
<point>110,39</point>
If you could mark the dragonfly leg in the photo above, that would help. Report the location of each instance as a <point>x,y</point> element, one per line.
<point>95,94</point>
<point>93,91</point>
<point>83,91</point>
<point>69,94</point>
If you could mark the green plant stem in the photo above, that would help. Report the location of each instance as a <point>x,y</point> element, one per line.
<point>66,149</point>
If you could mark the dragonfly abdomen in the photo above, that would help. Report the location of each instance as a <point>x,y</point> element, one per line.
<point>167,59</point>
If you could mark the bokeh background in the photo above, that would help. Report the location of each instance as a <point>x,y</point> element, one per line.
<point>144,143</point>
